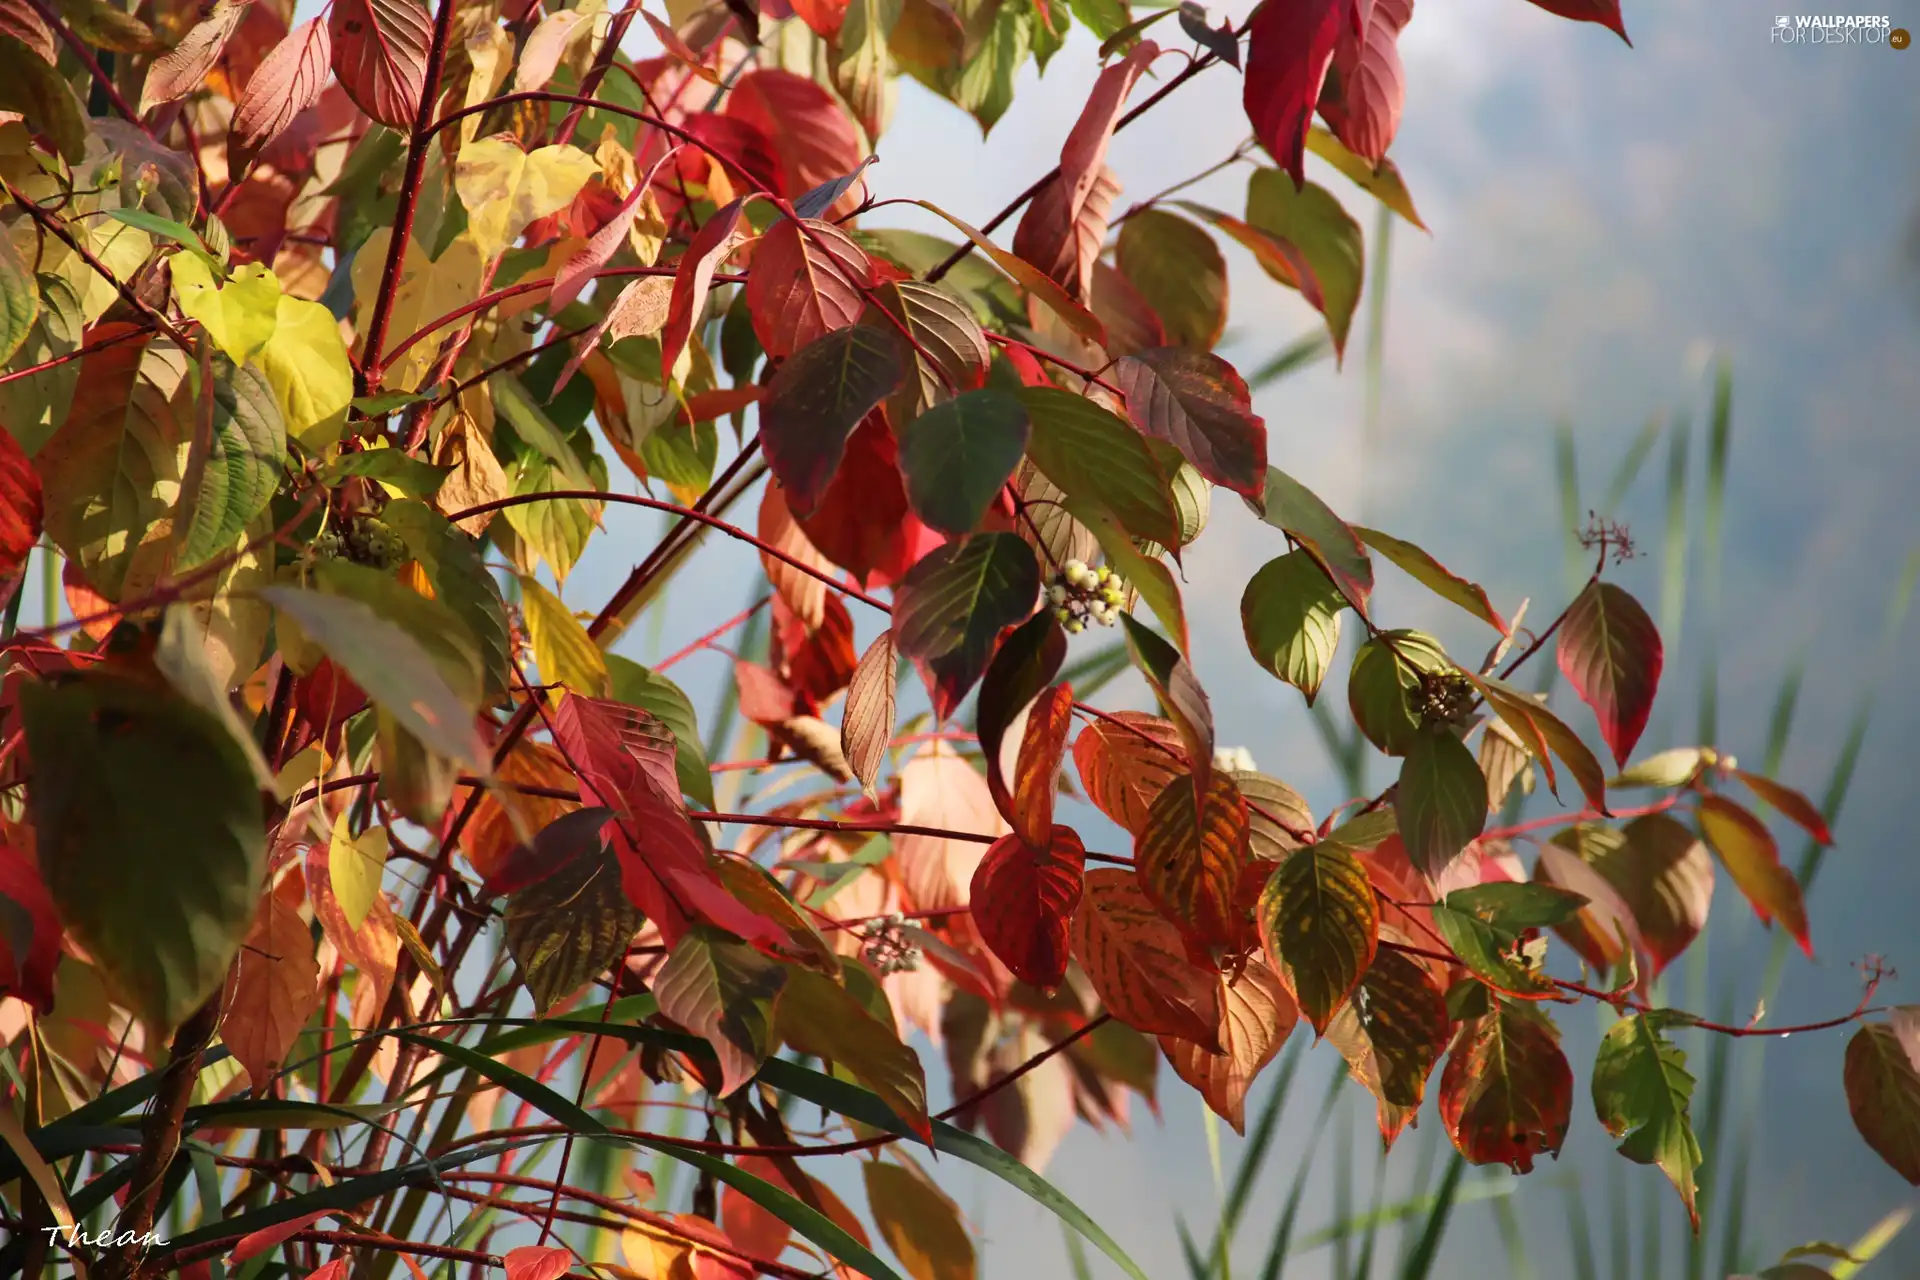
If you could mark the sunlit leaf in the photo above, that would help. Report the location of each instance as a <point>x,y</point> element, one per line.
<point>1643,1093</point>
<point>1507,1093</point>
<point>1321,925</point>
<point>1290,613</point>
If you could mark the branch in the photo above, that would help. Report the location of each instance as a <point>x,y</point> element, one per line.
<point>53,226</point>
<point>419,144</point>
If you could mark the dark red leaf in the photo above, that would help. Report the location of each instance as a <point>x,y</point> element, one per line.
<point>1026,661</point>
<point>807,279</point>
<point>694,278</point>
<point>1023,900</point>
<point>863,522</point>
<point>1366,86</point>
<point>30,931</point>
<point>818,661</point>
<point>814,139</point>
<point>1289,47</point>
<point>1610,651</point>
<point>815,402</point>
<point>1507,1093</point>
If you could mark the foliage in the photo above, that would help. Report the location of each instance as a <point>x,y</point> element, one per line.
<point>315,360</point>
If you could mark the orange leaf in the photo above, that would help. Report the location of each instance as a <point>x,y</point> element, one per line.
<point>1137,962</point>
<point>272,988</point>
<point>1023,900</point>
<point>1125,760</point>
<point>1037,771</point>
<point>531,1262</point>
<point>1256,1014</point>
<point>1189,857</point>
<point>1746,849</point>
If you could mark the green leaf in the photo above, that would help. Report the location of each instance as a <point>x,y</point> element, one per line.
<point>38,92</point>
<point>460,581</point>
<point>1103,17</point>
<point>168,229</point>
<point>391,665</point>
<point>723,991</point>
<point>396,467</point>
<point>570,926</point>
<point>181,657</point>
<point>1321,926</point>
<point>1471,927</point>
<point>148,825</point>
<point>1434,576</point>
<point>33,408</point>
<point>1290,613</point>
<point>637,686</point>
<point>1179,270</point>
<point>819,1017</point>
<point>959,454</point>
<point>953,604</point>
<point>814,402</point>
<point>1674,767</point>
<point>984,86</point>
<point>1642,1092</point>
<point>1297,511</point>
<point>1441,801</point>
<point>243,466</point>
<point>1328,257</point>
<point>19,300</point>
<point>1099,459</point>
<point>1383,687</point>
<point>1515,905</point>
<point>555,530</point>
<point>1383,183</point>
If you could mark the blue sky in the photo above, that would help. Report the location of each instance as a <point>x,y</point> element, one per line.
<point>1604,221</point>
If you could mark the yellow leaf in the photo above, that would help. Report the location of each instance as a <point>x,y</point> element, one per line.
<point>240,315</point>
<point>561,646</point>
<point>504,188</point>
<point>306,363</point>
<point>356,866</point>
<point>920,1223</point>
<point>428,289</point>
<point>490,54</point>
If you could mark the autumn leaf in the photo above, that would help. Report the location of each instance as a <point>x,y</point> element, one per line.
<point>239,315</point>
<point>814,403</point>
<point>1125,759</point>
<point>942,791</point>
<point>1043,743</point>
<point>1189,858</point>
<point>1320,925</point>
<point>722,991</point>
<point>818,1016</point>
<point>288,81</point>
<point>1662,871</point>
<point>1289,49</point>
<point>1023,899</point>
<point>380,55</point>
<point>564,652</point>
<point>1882,1079</point>
<point>808,279</point>
<point>1610,652</point>
<point>954,603</point>
<point>1297,511</point>
<point>1434,576</point>
<point>1179,272</point>
<point>1196,402</point>
<point>505,189</point>
<point>1507,1093</point>
<point>1090,454</point>
<point>1256,1015</point>
<point>532,1262</point>
<point>1365,85</point>
<point>272,989</point>
<point>866,726</point>
<point>1326,256</point>
<point>1137,962</point>
<point>1604,12</point>
<point>178,72</point>
<point>1748,852</point>
<point>20,506</point>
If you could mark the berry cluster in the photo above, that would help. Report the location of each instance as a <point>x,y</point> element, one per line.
<point>888,949</point>
<point>1079,593</point>
<point>368,540</point>
<point>1444,697</point>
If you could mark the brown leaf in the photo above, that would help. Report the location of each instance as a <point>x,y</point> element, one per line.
<point>717,237</point>
<point>1883,1096</point>
<point>804,593</point>
<point>20,20</point>
<point>866,726</point>
<point>380,55</point>
<point>506,816</point>
<point>1256,1014</point>
<point>1062,236</point>
<point>474,476</point>
<point>273,987</point>
<point>1662,871</point>
<point>1137,962</point>
<point>1029,1118</point>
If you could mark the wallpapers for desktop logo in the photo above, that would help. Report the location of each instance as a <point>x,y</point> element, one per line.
<point>1838,29</point>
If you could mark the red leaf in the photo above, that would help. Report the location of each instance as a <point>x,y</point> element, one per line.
<point>20,506</point>
<point>863,522</point>
<point>1789,802</point>
<point>1257,1013</point>
<point>823,16</point>
<point>1604,12</point>
<point>804,593</point>
<point>1610,651</point>
<point>335,1270</point>
<point>622,767</point>
<point>1138,965</point>
<point>380,55</point>
<point>814,139</point>
<point>1289,47</point>
<point>1125,760</point>
<point>691,283</point>
<point>1196,402</point>
<point>746,154</point>
<point>531,1262</point>
<point>19,20</point>
<point>255,1243</point>
<point>1023,899</point>
<point>1366,87</point>
<point>1064,226</point>
<point>29,931</point>
<point>765,698</point>
<point>818,662</point>
<point>1507,1093</point>
<point>807,280</point>
<point>1037,769</point>
<point>578,271</point>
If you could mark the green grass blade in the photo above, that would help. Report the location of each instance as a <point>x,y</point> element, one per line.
<point>1197,1267</point>
<point>1719,439</point>
<point>1868,1246</point>
<point>1343,1192</point>
<point>1306,350</point>
<point>1622,1220</point>
<point>1429,1143</point>
<point>1507,1223</point>
<point>1586,1263</point>
<point>1630,465</point>
<point>1733,1234</point>
<point>1369,1243</point>
<point>1253,1156</point>
<point>1092,673</point>
<point>1566,467</point>
<point>1426,1253</point>
<point>1673,558</point>
<point>1278,1248</point>
<point>1076,1253</point>
<point>1780,724</point>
